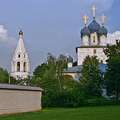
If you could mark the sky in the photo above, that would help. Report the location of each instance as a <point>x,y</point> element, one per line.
<point>50,26</point>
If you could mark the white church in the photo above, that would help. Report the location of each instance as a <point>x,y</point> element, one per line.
<point>93,42</point>
<point>20,64</point>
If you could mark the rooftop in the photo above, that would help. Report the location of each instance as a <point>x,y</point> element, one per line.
<point>21,88</point>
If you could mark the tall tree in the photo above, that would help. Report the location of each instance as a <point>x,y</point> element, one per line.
<point>4,76</point>
<point>45,76</point>
<point>112,75</point>
<point>91,76</point>
<point>61,63</point>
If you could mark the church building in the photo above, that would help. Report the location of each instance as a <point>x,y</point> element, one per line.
<point>93,42</point>
<point>20,64</point>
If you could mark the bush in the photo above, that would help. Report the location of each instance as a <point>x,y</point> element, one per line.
<point>71,98</point>
<point>74,99</point>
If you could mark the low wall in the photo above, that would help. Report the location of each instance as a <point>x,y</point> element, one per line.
<point>16,99</point>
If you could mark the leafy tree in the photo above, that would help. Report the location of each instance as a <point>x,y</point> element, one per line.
<point>38,75</point>
<point>50,77</point>
<point>45,76</point>
<point>112,75</point>
<point>4,76</point>
<point>61,64</point>
<point>91,76</point>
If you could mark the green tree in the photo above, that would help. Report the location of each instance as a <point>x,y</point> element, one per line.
<point>50,77</point>
<point>91,76</point>
<point>112,75</point>
<point>45,76</point>
<point>38,75</point>
<point>4,76</point>
<point>50,74</point>
<point>61,64</point>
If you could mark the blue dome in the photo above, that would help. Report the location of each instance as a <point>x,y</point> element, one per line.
<point>85,31</point>
<point>94,26</point>
<point>103,31</point>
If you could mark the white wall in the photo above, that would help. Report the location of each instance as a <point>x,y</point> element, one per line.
<point>83,52</point>
<point>16,101</point>
<point>85,40</point>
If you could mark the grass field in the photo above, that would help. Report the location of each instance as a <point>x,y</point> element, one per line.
<point>84,113</point>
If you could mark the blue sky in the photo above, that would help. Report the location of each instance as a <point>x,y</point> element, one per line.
<point>49,25</point>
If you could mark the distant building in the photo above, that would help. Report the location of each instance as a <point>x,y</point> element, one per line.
<point>93,42</point>
<point>20,64</point>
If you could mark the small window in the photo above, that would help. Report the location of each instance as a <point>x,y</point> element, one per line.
<point>18,66</point>
<point>24,66</point>
<point>94,51</point>
<point>19,56</point>
<point>94,39</point>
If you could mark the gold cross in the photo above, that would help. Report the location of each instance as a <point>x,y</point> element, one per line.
<point>85,19</point>
<point>94,10</point>
<point>103,18</point>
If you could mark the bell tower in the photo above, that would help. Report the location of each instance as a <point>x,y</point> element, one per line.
<point>20,65</point>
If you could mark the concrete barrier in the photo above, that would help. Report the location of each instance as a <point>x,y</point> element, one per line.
<point>16,99</point>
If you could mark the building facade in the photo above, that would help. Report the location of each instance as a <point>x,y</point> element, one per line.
<point>20,64</point>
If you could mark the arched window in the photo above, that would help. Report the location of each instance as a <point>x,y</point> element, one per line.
<point>18,66</point>
<point>18,55</point>
<point>24,67</point>
<point>94,51</point>
<point>94,39</point>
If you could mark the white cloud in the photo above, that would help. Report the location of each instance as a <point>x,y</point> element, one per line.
<point>4,37</point>
<point>112,37</point>
<point>3,33</point>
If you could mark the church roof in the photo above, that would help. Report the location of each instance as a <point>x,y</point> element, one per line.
<point>103,31</point>
<point>85,31</point>
<point>18,87</point>
<point>94,26</point>
<point>20,46</point>
<point>77,69</point>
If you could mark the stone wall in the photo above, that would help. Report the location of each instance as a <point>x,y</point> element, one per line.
<point>16,99</point>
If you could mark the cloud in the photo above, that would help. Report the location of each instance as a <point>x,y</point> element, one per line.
<point>4,37</point>
<point>112,37</point>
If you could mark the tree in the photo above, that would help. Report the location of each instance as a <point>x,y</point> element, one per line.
<point>50,74</point>
<point>112,75</point>
<point>4,76</point>
<point>61,64</point>
<point>56,86</point>
<point>91,76</point>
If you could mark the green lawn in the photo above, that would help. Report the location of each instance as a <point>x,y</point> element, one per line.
<point>83,113</point>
